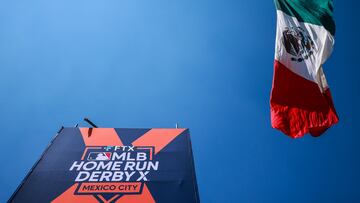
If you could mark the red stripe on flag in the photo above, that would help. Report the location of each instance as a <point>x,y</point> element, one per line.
<point>298,106</point>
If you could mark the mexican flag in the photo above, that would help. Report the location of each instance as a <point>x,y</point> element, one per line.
<point>300,97</point>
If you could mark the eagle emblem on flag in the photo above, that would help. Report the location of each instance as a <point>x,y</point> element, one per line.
<point>298,43</point>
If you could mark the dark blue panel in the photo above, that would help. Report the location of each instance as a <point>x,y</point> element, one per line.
<point>173,181</point>
<point>49,177</point>
<point>129,135</point>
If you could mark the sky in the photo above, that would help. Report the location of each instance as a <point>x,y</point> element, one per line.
<point>206,65</point>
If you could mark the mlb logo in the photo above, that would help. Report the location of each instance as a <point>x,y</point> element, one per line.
<point>99,156</point>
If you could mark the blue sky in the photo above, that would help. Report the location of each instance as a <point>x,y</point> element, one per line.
<point>204,64</point>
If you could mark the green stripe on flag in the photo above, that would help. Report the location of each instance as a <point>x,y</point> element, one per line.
<point>318,12</point>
